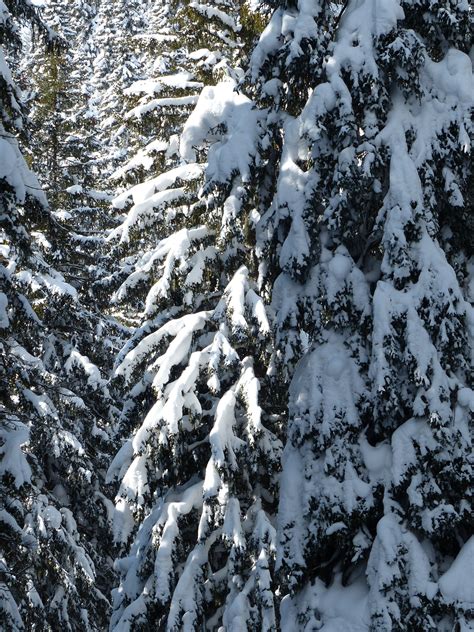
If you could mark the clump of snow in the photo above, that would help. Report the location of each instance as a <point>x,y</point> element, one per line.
<point>76,360</point>
<point>155,104</point>
<point>336,608</point>
<point>180,80</point>
<point>13,168</point>
<point>4,320</point>
<point>13,459</point>
<point>457,584</point>
<point>235,149</point>
<point>75,189</point>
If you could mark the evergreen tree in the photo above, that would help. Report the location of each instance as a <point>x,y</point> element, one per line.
<point>53,409</point>
<point>365,254</point>
<point>185,46</point>
<point>65,150</point>
<point>118,62</point>
<point>198,473</point>
<point>286,299</point>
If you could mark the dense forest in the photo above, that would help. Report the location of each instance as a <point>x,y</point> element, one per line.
<point>236,316</point>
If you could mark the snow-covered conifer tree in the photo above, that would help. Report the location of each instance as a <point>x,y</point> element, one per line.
<point>186,46</point>
<point>198,468</point>
<point>118,62</point>
<point>53,434</point>
<point>288,427</point>
<point>65,150</point>
<point>362,250</point>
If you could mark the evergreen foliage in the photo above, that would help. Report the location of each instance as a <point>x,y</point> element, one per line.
<point>64,147</point>
<point>373,173</point>
<point>54,402</point>
<point>118,61</point>
<point>237,392</point>
<point>198,474</point>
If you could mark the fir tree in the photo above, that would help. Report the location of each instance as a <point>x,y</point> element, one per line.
<point>118,62</point>
<point>53,425</point>
<point>64,150</point>
<point>364,255</point>
<point>198,474</point>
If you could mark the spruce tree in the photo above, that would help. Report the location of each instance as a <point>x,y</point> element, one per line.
<point>365,254</point>
<point>65,150</point>
<point>289,279</point>
<point>198,468</point>
<point>184,46</point>
<point>53,409</point>
<point>118,62</point>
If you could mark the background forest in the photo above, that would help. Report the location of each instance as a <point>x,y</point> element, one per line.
<point>236,316</point>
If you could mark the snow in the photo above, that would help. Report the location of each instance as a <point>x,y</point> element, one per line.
<point>198,263</point>
<point>155,104</point>
<point>76,189</point>
<point>120,462</point>
<point>176,352</point>
<point>179,394</point>
<point>235,298</point>
<point>212,480</point>
<point>377,459</point>
<point>142,192</point>
<point>53,282</point>
<point>291,505</point>
<point>236,150</point>
<point>192,392</point>
<point>452,77</point>
<point>52,517</point>
<point>269,42</point>
<point>223,441</point>
<point>135,481</point>
<point>9,607</point>
<point>340,608</point>
<point>173,249</point>
<point>76,360</point>
<point>22,354</point>
<point>258,310</point>
<point>41,403</point>
<point>184,595</point>
<point>163,568</point>
<point>407,440</point>
<point>211,12</point>
<point>180,80</point>
<point>123,522</point>
<point>340,265</point>
<point>361,23</point>
<point>13,168</point>
<point>143,158</point>
<point>33,596</point>
<point>397,553</point>
<point>457,584</point>
<point>466,398</point>
<point>188,323</point>
<point>4,320</point>
<point>199,54</point>
<point>64,437</point>
<point>150,422</point>
<point>328,379</point>
<point>13,458</point>
<point>8,159</point>
<point>146,213</point>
